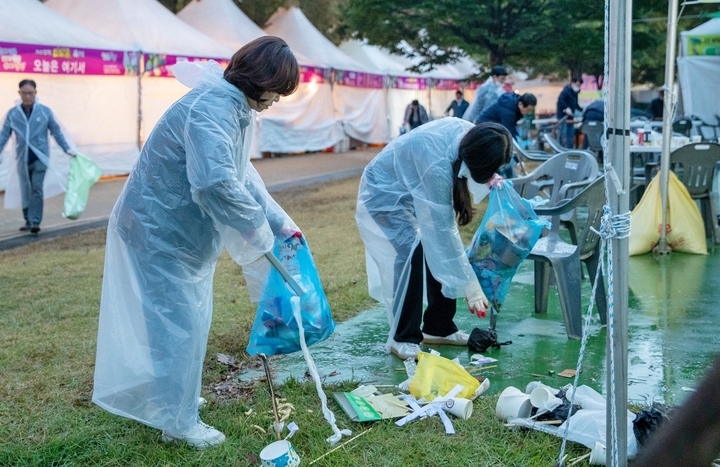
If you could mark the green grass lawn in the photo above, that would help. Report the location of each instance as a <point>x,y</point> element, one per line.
<point>48,323</point>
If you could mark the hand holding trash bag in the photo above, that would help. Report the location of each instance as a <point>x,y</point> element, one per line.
<point>496,182</point>
<point>476,299</point>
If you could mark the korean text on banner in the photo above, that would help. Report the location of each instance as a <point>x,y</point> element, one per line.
<point>50,59</point>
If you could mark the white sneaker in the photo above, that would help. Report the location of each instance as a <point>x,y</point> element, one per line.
<point>456,338</point>
<point>201,436</point>
<point>201,402</point>
<point>405,350</point>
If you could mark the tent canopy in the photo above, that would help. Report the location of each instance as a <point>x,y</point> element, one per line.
<point>292,25</point>
<point>221,20</point>
<point>141,25</point>
<point>698,70</point>
<point>31,22</point>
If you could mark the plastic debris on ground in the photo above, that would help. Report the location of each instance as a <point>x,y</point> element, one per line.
<point>650,419</point>
<point>587,417</point>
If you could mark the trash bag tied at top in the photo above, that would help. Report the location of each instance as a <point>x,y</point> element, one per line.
<point>275,330</point>
<point>506,236</point>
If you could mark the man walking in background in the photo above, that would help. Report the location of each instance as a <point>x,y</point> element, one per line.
<point>31,122</point>
<point>415,115</point>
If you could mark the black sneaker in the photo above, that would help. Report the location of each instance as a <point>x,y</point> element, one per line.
<point>25,228</point>
<point>35,229</point>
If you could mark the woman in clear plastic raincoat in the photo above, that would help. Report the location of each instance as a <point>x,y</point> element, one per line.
<point>191,193</point>
<point>412,197</point>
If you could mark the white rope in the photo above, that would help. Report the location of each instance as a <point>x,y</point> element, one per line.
<point>329,416</point>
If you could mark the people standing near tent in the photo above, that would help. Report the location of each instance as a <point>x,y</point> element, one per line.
<point>458,106</point>
<point>487,94</point>
<point>412,197</point>
<point>415,115</point>
<point>509,109</point>
<point>31,122</point>
<point>567,106</point>
<point>192,192</point>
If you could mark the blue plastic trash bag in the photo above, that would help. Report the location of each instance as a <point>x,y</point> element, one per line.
<point>506,236</point>
<point>83,174</point>
<point>275,330</point>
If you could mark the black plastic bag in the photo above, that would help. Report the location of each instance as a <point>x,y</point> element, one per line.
<point>482,339</point>
<point>648,420</point>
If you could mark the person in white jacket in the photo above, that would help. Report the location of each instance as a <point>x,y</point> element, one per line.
<point>191,193</point>
<point>487,94</point>
<point>412,197</point>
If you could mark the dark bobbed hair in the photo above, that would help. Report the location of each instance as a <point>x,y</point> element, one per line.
<point>28,81</point>
<point>528,99</point>
<point>458,92</point>
<point>484,149</point>
<point>264,65</point>
<point>576,79</point>
<point>499,70</point>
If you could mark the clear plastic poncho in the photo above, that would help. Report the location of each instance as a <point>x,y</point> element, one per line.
<point>191,192</point>
<point>405,197</point>
<point>33,133</point>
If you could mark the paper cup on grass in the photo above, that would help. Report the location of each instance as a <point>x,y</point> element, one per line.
<point>543,397</point>
<point>279,454</point>
<point>513,403</point>
<point>461,408</point>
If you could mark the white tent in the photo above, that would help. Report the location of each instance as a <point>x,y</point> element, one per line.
<point>699,70</point>
<point>221,20</point>
<point>360,106</point>
<point>406,86</point>
<point>224,21</point>
<point>99,112</point>
<point>148,26</point>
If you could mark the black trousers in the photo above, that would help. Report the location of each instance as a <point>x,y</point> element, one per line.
<point>439,314</point>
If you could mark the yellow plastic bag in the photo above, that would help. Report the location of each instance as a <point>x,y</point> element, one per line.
<point>436,376</point>
<point>685,230</point>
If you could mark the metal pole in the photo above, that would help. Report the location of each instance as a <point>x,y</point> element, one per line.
<point>662,247</point>
<point>618,86</point>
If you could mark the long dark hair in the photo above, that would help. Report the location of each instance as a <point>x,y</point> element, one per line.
<point>484,149</point>
<point>264,65</point>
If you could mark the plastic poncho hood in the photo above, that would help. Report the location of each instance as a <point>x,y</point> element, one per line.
<point>405,197</point>
<point>191,193</point>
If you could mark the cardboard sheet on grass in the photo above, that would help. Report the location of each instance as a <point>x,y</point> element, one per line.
<point>685,231</point>
<point>362,405</point>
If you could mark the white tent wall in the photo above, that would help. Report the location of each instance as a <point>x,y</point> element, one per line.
<point>158,94</point>
<point>99,112</point>
<point>699,78</point>
<point>439,101</point>
<point>363,113</point>
<point>300,122</point>
<point>398,100</point>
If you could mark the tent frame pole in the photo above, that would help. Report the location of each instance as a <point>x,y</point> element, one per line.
<point>141,72</point>
<point>662,247</point>
<point>618,141</point>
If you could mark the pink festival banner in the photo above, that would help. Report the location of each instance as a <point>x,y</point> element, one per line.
<point>54,60</point>
<point>158,65</point>
<point>311,74</point>
<point>447,85</point>
<point>358,80</point>
<point>410,83</point>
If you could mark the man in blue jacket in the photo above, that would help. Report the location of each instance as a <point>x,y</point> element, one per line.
<point>567,105</point>
<point>31,122</point>
<point>508,109</point>
<point>458,106</point>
